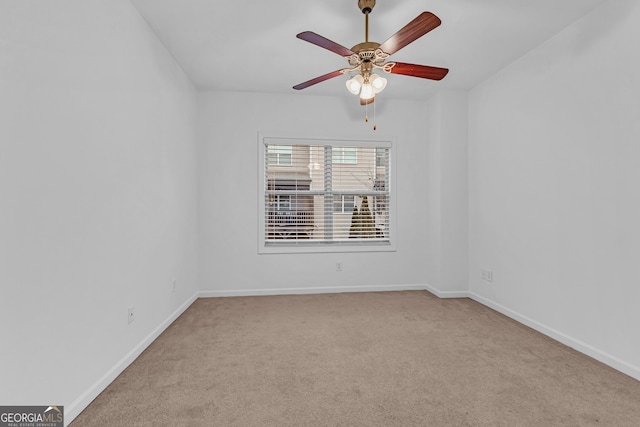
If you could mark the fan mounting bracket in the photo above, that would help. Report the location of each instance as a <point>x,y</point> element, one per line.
<point>366,6</point>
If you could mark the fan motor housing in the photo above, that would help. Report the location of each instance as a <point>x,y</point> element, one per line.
<point>364,47</point>
<point>366,6</point>
<point>366,50</point>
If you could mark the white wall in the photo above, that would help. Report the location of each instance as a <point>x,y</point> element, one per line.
<point>447,194</point>
<point>229,259</point>
<point>554,197</point>
<point>98,195</point>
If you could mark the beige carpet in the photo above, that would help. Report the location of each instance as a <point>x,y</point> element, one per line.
<point>360,359</point>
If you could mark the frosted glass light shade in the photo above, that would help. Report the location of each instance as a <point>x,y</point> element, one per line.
<point>367,91</point>
<point>354,84</point>
<point>377,83</point>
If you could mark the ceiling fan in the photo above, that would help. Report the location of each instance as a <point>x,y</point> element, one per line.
<point>368,56</point>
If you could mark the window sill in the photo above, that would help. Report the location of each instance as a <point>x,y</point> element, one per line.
<point>325,247</point>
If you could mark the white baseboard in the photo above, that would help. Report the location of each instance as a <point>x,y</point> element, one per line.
<point>447,294</point>
<point>73,410</point>
<point>314,290</point>
<point>607,359</point>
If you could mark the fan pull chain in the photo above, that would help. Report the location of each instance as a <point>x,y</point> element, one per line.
<point>374,115</point>
<point>366,112</point>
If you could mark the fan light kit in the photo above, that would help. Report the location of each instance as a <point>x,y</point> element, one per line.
<point>368,56</point>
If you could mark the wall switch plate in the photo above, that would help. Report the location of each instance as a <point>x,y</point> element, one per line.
<point>338,266</point>
<point>130,315</point>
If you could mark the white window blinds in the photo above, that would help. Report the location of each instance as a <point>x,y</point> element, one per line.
<point>325,193</point>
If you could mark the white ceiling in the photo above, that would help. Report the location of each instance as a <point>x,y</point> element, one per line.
<point>251,45</point>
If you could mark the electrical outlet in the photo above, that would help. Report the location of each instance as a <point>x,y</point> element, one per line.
<point>338,266</point>
<point>487,276</point>
<point>131,315</point>
<point>173,285</point>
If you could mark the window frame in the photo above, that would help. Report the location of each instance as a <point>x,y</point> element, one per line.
<point>297,246</point>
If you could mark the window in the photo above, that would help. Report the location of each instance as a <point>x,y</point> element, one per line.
<point>334,195</point>
<point>343,204</point>
<point>279,155</point>
<point>280,203</point>
<point>381,157</point>
<point>346,155</point>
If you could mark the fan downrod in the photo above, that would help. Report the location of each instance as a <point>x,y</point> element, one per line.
<point>366,6</point>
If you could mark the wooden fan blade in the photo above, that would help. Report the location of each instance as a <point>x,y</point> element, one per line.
<point>318,40</point>
<point>319,79</point>
<point>415,29</point>
<point>422,71</point>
